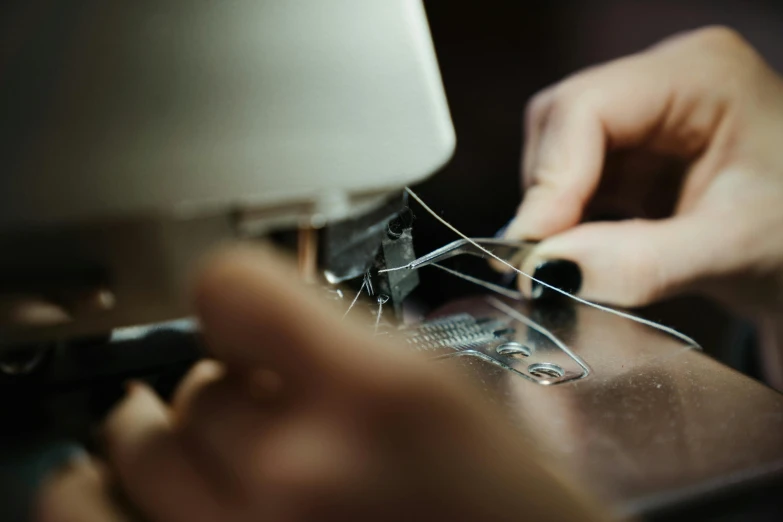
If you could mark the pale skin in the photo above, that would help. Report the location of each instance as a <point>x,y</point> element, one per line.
<point>298,420</point>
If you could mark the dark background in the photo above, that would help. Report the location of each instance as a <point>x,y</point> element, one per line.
<point>495,55</point>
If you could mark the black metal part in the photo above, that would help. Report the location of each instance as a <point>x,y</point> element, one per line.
<point>349,248</point>
<point>399,224</point>
<point>353,252</point>
<point>397,284</point>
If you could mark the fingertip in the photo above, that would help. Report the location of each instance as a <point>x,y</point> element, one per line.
<point>255,313</point>
<point>229,267</point>
<point>546,209</point>
<point>203,373</point>
<point>247,297</point>
<point>80,493</point>
<point>154,469</point>
<point>139,413</point>
<point>522,228</point>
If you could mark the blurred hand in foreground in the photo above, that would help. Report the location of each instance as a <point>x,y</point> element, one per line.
<point>300,417</point>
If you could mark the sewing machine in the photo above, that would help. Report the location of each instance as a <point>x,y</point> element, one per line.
<point>144,133</point>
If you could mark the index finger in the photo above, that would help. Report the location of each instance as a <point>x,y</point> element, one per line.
<point>568,130</point>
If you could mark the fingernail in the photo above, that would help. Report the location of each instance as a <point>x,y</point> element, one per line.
<point>560,273</point>
<point>508,279</point>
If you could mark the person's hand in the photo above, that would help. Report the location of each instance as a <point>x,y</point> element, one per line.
<point>609,139</point>
<point>304,418</point>
<point>706,98</point>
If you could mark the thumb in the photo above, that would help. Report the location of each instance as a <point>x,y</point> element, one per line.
<point>256,315</point>
<point>628,263</point>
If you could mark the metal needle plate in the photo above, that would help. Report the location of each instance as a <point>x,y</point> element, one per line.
<point>508,343</point>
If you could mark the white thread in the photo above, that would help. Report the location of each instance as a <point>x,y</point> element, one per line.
<point>640,320</point>
<point>522,318</point>
<point>364,282</point>
<point>519,316</point>
<point>368,282</point>
<point>486,284</point>
<point>378,317</point>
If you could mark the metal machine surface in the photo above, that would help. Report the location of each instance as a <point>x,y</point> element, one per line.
<point>654,426</point>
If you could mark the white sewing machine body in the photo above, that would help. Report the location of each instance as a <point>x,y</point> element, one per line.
<point>139,108</point>
<point>143,132</point>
